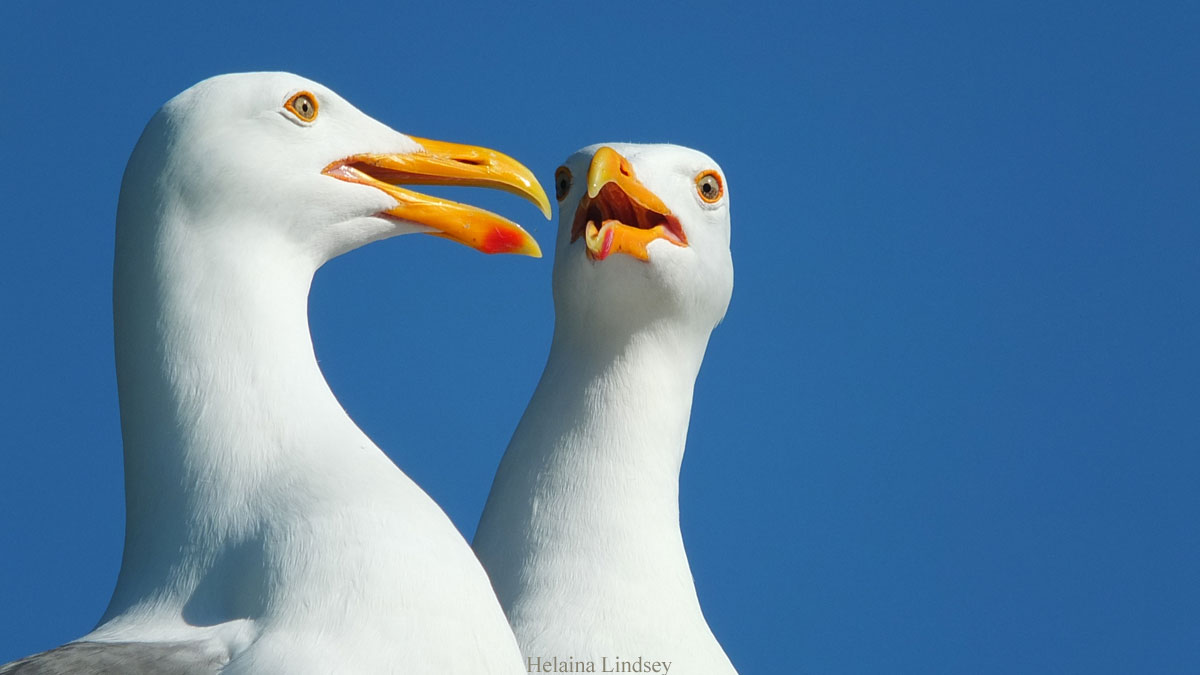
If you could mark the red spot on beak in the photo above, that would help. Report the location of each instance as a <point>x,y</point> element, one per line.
<point>502,240</point>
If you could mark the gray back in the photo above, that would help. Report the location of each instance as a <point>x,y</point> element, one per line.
<point>122,658</point>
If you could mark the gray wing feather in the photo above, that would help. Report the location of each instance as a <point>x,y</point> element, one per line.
<point>122,658</point>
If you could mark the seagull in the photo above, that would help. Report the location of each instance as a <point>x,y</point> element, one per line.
<point>265,532</point>
<point>580,534</point>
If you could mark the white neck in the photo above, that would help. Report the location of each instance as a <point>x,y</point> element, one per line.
<point>580,534</point>
<point>254,504</point>
<point>220,399</point>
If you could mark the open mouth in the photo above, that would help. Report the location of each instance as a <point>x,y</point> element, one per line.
<point>442,163</point>
<point>619,215</point>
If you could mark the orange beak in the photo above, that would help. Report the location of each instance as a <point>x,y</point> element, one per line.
<point>442,163</point>
<point>619,214</point>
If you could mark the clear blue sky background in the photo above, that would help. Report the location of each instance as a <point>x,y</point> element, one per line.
<point>951,422</point>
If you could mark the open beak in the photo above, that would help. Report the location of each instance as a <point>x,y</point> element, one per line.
<point>442,163</point>
<point>619,214</point>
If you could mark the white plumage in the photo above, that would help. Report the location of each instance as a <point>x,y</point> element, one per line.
<point>580,535</point>
<point>265,532</point>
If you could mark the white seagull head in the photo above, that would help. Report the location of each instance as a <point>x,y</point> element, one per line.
<point>294,162</point>
<point>643,238</point>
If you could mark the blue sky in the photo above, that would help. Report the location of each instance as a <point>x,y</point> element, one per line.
<point>951,422</point>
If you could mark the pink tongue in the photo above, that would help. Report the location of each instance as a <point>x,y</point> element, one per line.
<point>606,247</point>
<point>605,235</point>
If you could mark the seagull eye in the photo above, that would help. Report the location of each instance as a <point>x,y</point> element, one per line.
<point>709,187</point>
<point>562,182</point>
<point>303,106</point>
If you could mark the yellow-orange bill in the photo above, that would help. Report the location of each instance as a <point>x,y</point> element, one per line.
<point>442,163</point>
<point>608,166</point>
<point>611,235</point>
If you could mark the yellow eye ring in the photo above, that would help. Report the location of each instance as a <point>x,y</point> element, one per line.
<point>709,186</point>
<point>303,105</point>
<point>562,182</point>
